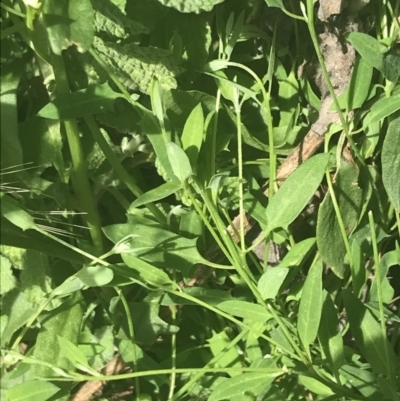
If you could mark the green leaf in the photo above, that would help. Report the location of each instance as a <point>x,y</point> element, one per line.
<point>391,67</point>
<point>193,134</point>
<point>156,245</point>
<point>93,100</point>
<point>214,66</point>
<point>72,352</point>
<point>179,104</point>
<point>147,323</point>
<point>362,380</point>
<point>156,194</point>
<point>151,128</point>
<point>368,47</point>
<point>147,272</point>
<point>314,385</point>
<point>329,335</point>
<point>238,387</point>
<point>191,6</point>
<point>19,309</point>
<point>195,32</point>
<point>275,3</point>
<point>95,276</point>
<point>31,390</point>
<point>310,305</point>
<point>211,297</point>
<point>7,279</point>
<point>382,108</point>
<point>68,287</point>
<point>11,152</point>
<point>69,22</point>
<point>358,272</point>
<point>65,320</point>
<point>131,352</point>
<point>391,163</point>
<point>296,192</point>
<point>329,236</point>
<point>358,90</point>
<point>217,344</point>
<point>179,162</point>
<point>391,258</point>
<point>11,210</point>
<point>42,143</point>
<point>136,66</point>
<point>246,310</point>
<point>271,281</point>
<point>298,253</point>
<point>374,346</point>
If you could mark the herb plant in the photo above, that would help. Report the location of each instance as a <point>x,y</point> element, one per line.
<point>200,199</point>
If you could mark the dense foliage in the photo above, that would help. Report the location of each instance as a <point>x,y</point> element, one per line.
<point>200,199</point>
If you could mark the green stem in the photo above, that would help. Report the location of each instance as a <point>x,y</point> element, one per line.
<point>118,168</point>
<point>80,177</point>
<point>240,170</point>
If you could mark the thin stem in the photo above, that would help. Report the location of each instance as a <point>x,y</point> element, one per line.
<point>240,170</point>
<point>12,10</point>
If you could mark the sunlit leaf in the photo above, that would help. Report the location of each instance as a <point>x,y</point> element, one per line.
<point>32,390</point>
<point>310,307</point>
<point>295,192</point>
<point>391,163</point>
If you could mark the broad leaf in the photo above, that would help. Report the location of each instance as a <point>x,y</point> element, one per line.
<point>65,320</point>
<point>7,279</point>
<point>93,100</point>
<point>11,152</point>
<point>295,192</point>
<point>298,253</point>
<point>179,162</point>
<point>310,305</point>
<point>148,273</point>
<point>383,108</point>
<point>373,344</point>
<point>238,387</point>
<point>72,352</point>
<point>156,245</point>
<point>95,276</point>
<point>147,323</point>
<point>391,163</point>
<point>13,212</point>
<point>193,134</point>
<point>32,390</point>
<point>329,236</point>
<point>156,194</point>
<point>329,335</point>
<point>69,22</point>
<point>271,281</point>
<point>368,47</point>
<point>191,6</point>
<point>246,310</point>
<point>151,128</point>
